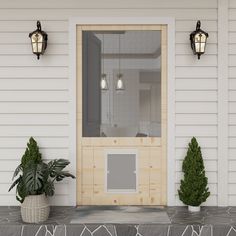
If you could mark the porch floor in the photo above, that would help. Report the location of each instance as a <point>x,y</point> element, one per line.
<point>216,221</point>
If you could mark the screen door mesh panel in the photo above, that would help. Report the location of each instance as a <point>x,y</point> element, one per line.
<point>121,172</point>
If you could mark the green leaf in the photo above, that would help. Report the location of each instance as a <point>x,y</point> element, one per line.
<point>21,191</point>
<point>15,183</point>
<point>31,153</point>
<point>17,171</point>
<point>49,188</point>
<point>33,177</point>
<point>56,166</point>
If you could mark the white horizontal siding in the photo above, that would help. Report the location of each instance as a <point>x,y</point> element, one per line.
<point>23,38</point>
<point>64,14</point>
<point>53,152</point>
<point>33,108</point>
<point>197,130</point>
<point>232,153</point>
<point>189,60</point>
<point>194,84</point>
<point>34,95</point>
<point>196,72</point>
<point>34,119</point>
<point>204,142</point>
<point>34,84</point>
<point>29,61</point>
<point>35,71</point>
<point>196,96</point>
<point>43,142</point>
<point>207,153</point>
<point>196,107</point>
<point>36,131</point>
<point>24,26</point>
<point>24,49</point>
<point>196,119</point>
<point>232,104</point>
<point>107,4</point>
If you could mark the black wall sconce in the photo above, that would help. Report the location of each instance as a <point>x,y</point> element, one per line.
<point>38,40</point>
<point>198,39</point>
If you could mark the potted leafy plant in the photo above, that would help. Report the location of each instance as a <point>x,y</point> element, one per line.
<point>193,189</point>
<point>35,182</point>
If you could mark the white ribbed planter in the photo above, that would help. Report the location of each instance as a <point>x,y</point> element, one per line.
<point>194,208</point>
<point>35,209</point>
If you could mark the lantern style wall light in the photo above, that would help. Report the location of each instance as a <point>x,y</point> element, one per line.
<point>38,40</point>
<point>198,39</point>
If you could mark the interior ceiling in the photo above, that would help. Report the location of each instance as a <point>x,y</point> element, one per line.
<point>131,42</point>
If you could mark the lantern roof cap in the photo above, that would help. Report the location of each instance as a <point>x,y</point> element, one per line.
<point>39,30</point>
<point>198,30</point>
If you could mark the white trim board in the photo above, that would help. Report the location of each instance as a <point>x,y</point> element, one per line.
<point>170,22</point>
<point>223,97</point>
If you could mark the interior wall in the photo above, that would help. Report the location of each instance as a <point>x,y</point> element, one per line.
<point>34,97</point>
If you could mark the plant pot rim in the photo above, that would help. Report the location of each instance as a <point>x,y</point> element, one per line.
<point>194,208</point>
<point>34,195</point>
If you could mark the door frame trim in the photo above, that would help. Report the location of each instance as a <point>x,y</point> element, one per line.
<point>170,22</point>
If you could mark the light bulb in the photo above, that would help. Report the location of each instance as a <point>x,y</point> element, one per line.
<point>103,83</point>
<point>120,82</point>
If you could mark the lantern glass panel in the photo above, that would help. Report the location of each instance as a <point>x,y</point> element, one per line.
<point>37,43</point>
<point>200,42</point>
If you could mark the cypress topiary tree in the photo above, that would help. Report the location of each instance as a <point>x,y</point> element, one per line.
<point>193,189</point>
<point>31,154</point>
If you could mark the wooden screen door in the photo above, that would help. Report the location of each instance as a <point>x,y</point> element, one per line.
<point>92,151</point>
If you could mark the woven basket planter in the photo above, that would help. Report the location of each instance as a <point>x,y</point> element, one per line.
<point>35,209</point>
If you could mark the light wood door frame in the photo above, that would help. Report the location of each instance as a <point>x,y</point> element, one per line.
<point>87,145</point>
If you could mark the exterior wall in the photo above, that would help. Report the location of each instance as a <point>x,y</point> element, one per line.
<point>232,104</point>
<point>34,97</point>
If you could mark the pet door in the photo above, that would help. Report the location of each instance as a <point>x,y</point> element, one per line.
<point>121,173</point>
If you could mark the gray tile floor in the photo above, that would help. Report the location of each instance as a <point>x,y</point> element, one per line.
<point>177,215</point>
<point>211,221</point>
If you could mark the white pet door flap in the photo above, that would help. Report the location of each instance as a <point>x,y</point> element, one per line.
<point>121,173</point>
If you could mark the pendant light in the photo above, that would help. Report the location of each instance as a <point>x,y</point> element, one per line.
<point>103,82</point>
<point>119,83</point>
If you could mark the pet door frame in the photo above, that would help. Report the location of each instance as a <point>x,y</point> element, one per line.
<point>121,152</point>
